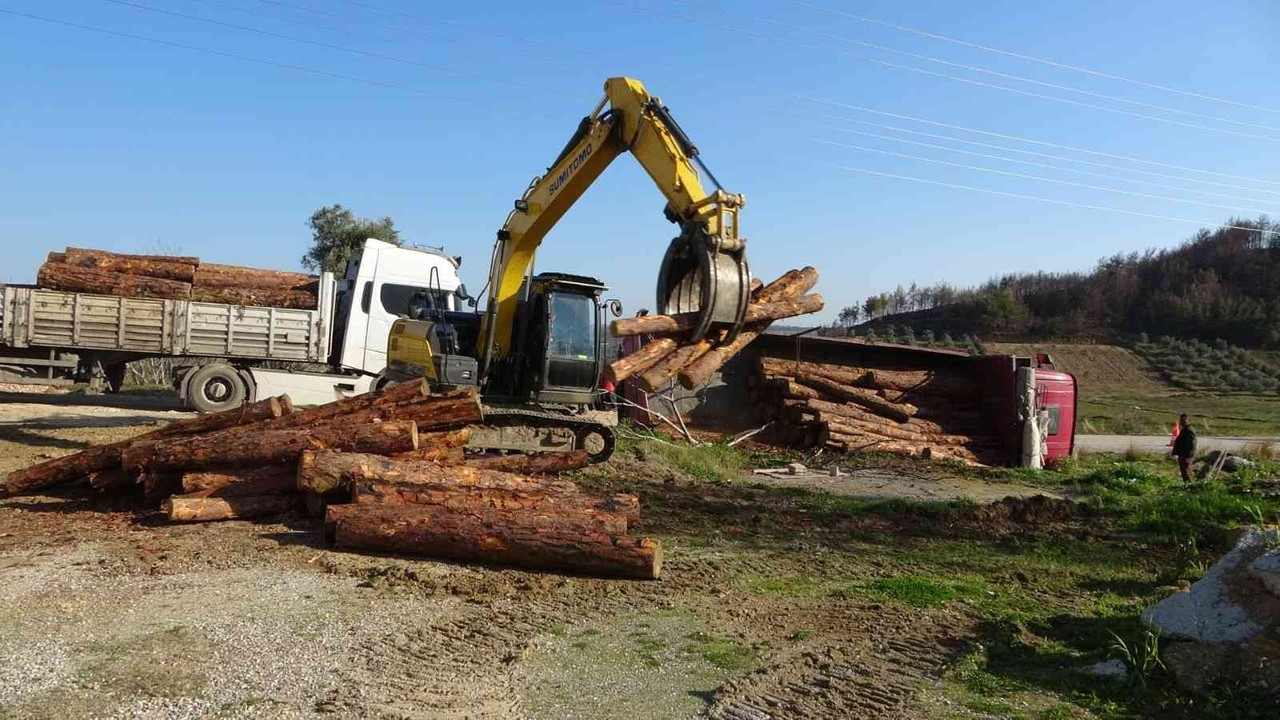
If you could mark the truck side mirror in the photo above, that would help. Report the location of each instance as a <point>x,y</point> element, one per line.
<point>615,307</point>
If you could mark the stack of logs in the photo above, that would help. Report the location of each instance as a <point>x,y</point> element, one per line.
<point>175,278</point>
<point>387,470</point>
<point>916,413</point>
<point>670,354</point>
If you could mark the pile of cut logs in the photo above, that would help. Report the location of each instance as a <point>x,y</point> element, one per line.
<point>388,472</point>
<point>917,413</point>
<point>175,278</point>
<point>670,354</point>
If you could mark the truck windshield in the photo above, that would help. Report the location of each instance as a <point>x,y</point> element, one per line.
<point>410,301</point>
<point>573,326</point>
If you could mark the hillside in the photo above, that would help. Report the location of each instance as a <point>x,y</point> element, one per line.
<point>1220,285</point>
<point>1100,370</point>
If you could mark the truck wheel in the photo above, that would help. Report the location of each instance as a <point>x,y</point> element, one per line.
<point>215,387</point>
<point>115,373</point>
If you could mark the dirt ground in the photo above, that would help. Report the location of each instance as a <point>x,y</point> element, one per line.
<point>107,612</point>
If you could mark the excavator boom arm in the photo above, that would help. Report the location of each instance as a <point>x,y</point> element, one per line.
<point>705,268</point>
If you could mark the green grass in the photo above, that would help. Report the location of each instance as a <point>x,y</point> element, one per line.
<point>1213,414</point>
<point>722,652</point>
<point>918,591</point>
<point>714,462</point>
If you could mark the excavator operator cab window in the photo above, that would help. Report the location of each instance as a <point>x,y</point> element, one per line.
<point>573,327</point>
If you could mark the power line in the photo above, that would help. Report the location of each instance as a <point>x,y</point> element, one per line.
<point>1021,196</point>
<point>954,78</point>
<point>1051,156</point>
<point>1010,76</point>
<point>248,58</point>
<point>1031,58</point>
<point>1037,178</point>
<point>1049,166</point>
<point>1043,143</point>
<point>331,46</point>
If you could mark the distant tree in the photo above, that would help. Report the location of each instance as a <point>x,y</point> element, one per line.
<point>871,336</point>
<point>889,335</point>
<point>926,338</point>
<point>337,234</point>
<point>947,340</point>
<point>849,316</point>
<point>908,336</point>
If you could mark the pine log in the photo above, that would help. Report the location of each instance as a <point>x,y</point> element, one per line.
<point>182,260</point>
<point>200,508</point>
<point>661,372</point>
<point>684,322</point>
<point>902,412</point>
<point>440,455</point>
<point>639,361</point>
<point>214,275</point>
<point>277,479</point>
<point>157,267</point>
<point>789,388</point>
<point>272,407</point>
<point>237,448</point>
<point>56,258</point>
<point>70,278</point>
<point>609,513</point>
<point>699,372</point>
<point>855,411</point>
<point>547,463</point>
<point>257,297</point>
<point>157,485</point>
<point>63,469</point>
<point>518,539</point>
<point>856,377</point>
<point>448,410</point>
<point>401,392</point>
<point>322,473</point>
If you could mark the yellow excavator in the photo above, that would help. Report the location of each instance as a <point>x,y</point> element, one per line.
<point>537,350</point>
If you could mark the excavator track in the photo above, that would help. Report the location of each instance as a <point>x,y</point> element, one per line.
<point>597,438</point>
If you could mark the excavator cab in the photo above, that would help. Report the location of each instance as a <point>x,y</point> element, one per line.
<point>559,351</point>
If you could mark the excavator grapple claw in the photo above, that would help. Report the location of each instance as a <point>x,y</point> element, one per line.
<point>700,274</point>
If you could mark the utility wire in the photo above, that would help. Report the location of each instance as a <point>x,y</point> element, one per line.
<point>1063,158</point>
<point>340,48</point>
<point>953,78</point>
<point>1049,166</point>
<point>1043,143</point>
<point>1037,178</point>
<point>1067,203</point>
<point>1030,58</point>
<point>247,58</point>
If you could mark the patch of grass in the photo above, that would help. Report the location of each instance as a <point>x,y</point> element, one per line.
<point>1213,414</point>
<point>916,590</point>
<point>723,652</point>
<point>717,462</point>
<point>785,585</point>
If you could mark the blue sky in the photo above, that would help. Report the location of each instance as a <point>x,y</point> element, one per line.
<point>118,143</point>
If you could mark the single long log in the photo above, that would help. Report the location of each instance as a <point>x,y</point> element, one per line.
<point>699,372</point>
<point>322,473</point>
<point>257,297</point>
<point>547,463</point>
<point>158,267</point>
<point>215,275</point>
<point>440,455</point>
<point>236,448</point>
<point>70,278</point>
<point>180,259</point>
<point>871,443</point>
<point>459,407</point>
<point>391,395</point>
<point>902,412</point>
<point>199,508</point>
<point>272,407</point>
<point>789,388</point>
<point>609,513</point>
<point>856,377</point>
<point>63,469</point>
<point>684,322</point>
<point>502,538</point>
<point>856,411</point>
<point>639,361</point>
<point>278,479</point>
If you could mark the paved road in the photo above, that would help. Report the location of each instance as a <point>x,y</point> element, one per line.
<point>1153,443</point>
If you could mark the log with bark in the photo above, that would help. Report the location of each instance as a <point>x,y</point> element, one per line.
<point>179,259</point>
<point>757,311</point>
<point>71,278</point>
<point>270,408</point>
<point>203,508</point>
<point>552,542</point>
<point>547,463</point>
<point>63,469</point>
<point>609,513</point>
<point>215,275</point>
<point>236,448</point>
<point>639,361</point>
<point>257,297</point>
<point>401,392</point>
<point>151,266</point>
<point>277,479</point>
<point>322,473</point>
<point>902,412</point>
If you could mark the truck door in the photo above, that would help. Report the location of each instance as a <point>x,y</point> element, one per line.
<point>1056,394</point>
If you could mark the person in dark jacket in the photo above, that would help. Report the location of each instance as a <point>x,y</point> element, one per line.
<point>1184,447</point>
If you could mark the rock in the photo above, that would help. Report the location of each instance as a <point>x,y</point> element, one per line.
<point>1266,567</point>
<point>1196,666</point>
<point>1208,613</point>
<point>1111,669</point>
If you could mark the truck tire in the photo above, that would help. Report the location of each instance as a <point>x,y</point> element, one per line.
<point>215,387</point>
